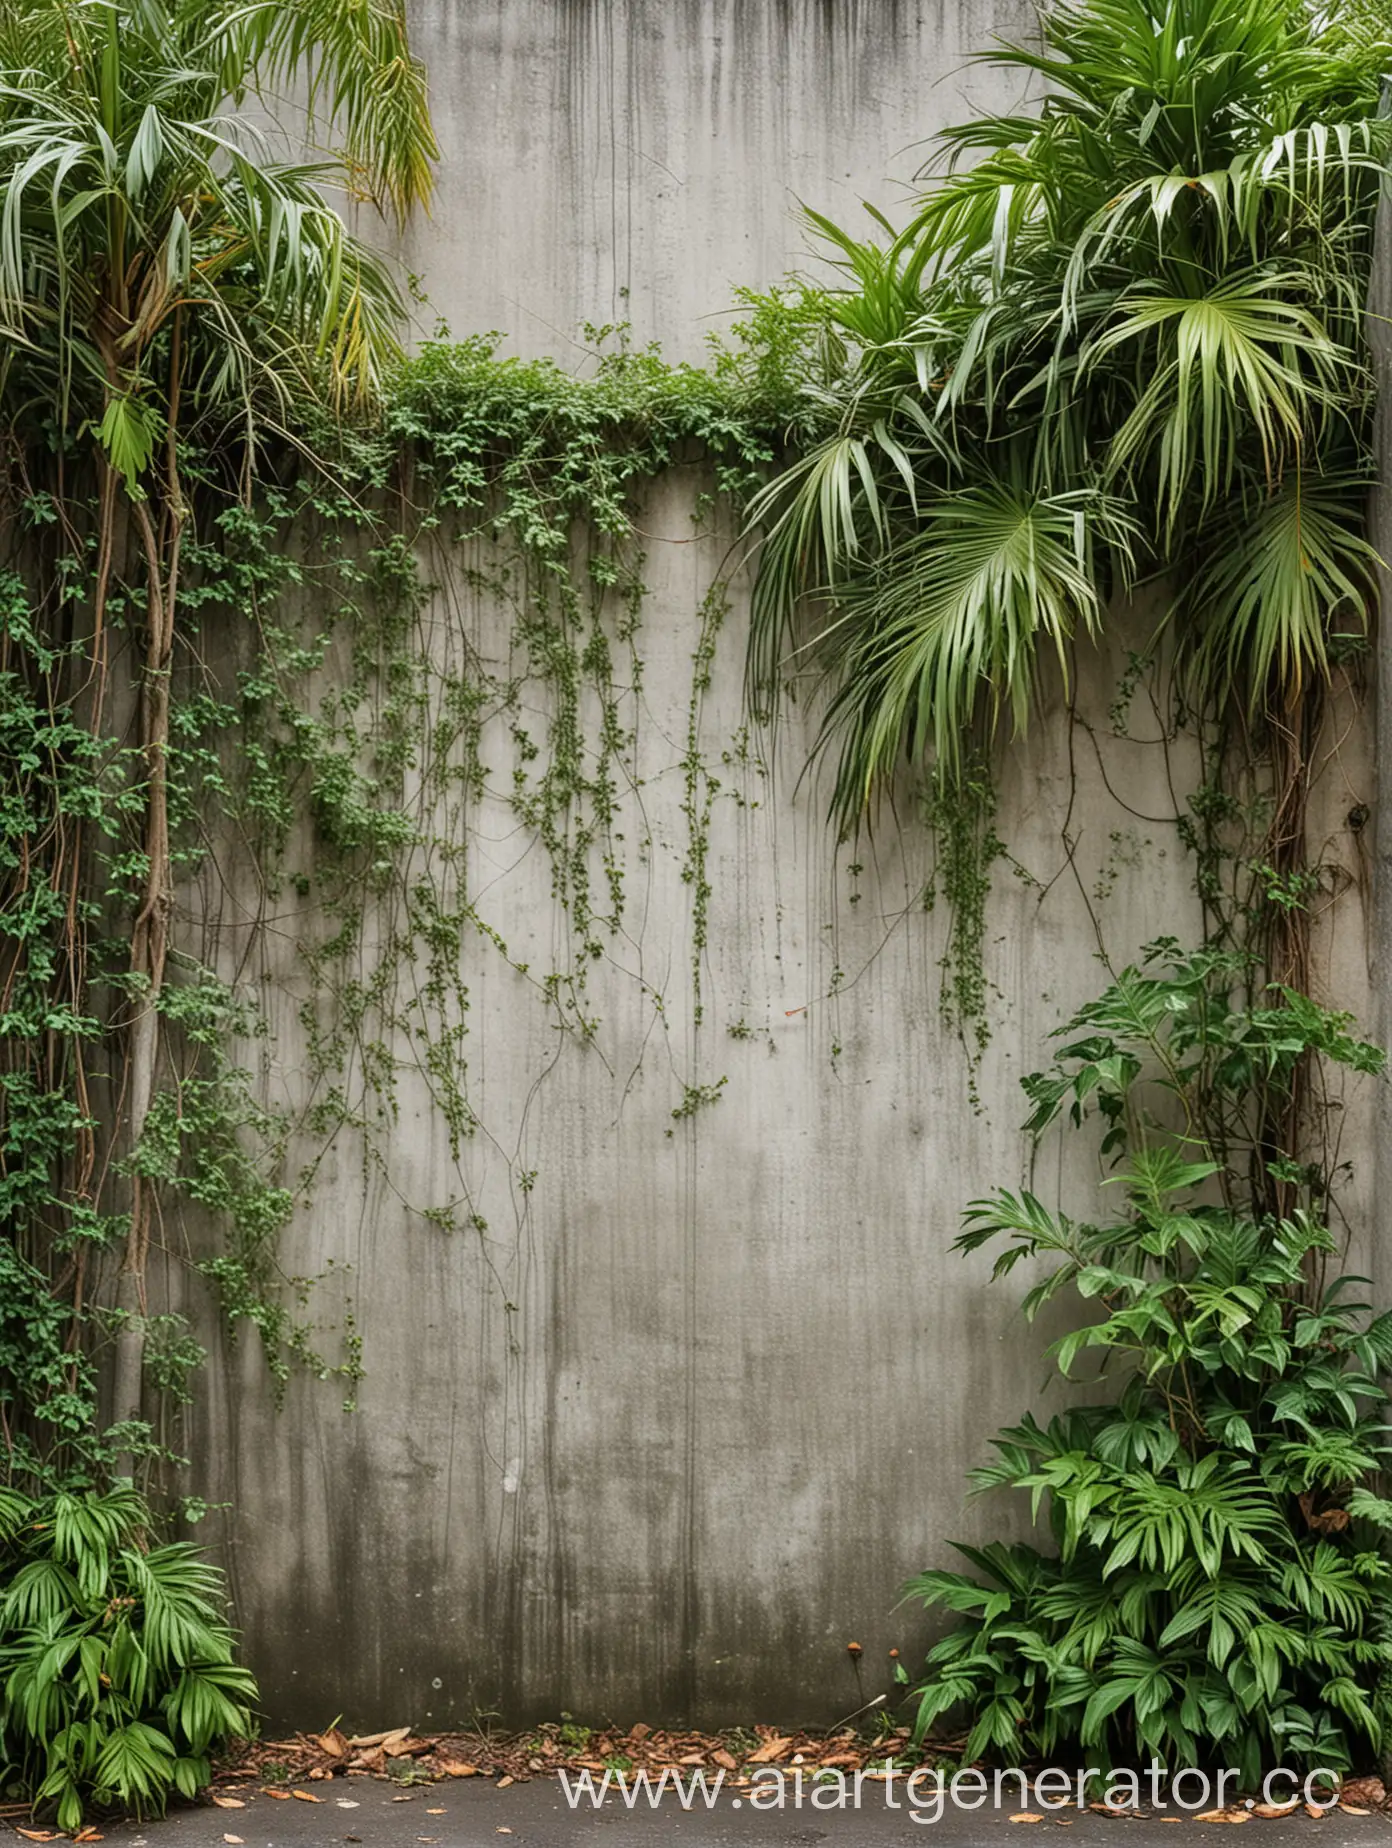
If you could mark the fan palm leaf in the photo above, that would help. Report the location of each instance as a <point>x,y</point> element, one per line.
<point>1149,294</point>
<point>948,628</point>
<point>1276,576</point>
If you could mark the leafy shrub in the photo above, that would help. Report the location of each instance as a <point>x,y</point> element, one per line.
<point>116,1661</point>
<point>1217,1590</point>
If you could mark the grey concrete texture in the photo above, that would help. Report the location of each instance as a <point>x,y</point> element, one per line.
<point>536,1815</point>
<point>609,160</point>
<point>671,1428</point>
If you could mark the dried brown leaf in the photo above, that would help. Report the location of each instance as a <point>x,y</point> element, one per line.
<point>1365,1790</point>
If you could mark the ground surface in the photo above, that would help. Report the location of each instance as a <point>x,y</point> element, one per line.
<point>485,1790</point>
<point>536,1815</point>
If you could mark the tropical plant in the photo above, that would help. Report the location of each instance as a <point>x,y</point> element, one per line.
<point>1122,337</point>
<point>1216,1589</point>
<point>173,284</point>
<point>116,1660</point>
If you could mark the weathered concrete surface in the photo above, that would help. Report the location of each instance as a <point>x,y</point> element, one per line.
<point>607,160</point>
<point>670,1428</point>
<point>538,1813</point>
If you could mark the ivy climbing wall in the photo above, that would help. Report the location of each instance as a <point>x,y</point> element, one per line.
<point>629,1117</point>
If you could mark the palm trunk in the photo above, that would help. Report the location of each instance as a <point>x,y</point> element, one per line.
<point>149,943</point>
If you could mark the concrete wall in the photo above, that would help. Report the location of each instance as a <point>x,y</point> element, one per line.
<point>612,159</point>
<point>672,1428</point>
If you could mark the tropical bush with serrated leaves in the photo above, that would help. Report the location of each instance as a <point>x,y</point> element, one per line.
<point>117,1669</point>
<point>1215,1590</point>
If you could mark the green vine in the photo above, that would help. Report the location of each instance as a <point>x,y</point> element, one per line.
<point>337,728</point>
<point>961,813</point>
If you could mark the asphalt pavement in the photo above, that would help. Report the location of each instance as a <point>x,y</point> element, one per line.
<point>537,1814</point>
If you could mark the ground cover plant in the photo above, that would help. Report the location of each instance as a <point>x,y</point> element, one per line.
<point>1215,1588</point>
<point>117,1669</point>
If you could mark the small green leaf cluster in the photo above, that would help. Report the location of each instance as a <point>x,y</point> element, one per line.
<point>117,1663</point>
<point>1216,1588</point>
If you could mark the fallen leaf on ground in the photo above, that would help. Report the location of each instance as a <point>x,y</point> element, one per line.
<point>1314,1809</point>
<point>333,1743</point>
<point>452,1768</point>
<point>348,1803</point>
<point>229,1802</point>
<point>1026,1816</point>
<point>503,1783</point>
<point>281,1796</point>
<point>502,1831</point>
<point>1353,1809</point>
<point>724,1759</point>
<point>306,1796</point>
<point>88,1835</point>
<point>434,1812</point>
<point>1269,1811</point>
<point>769,1751</point>
<point>403,1799</point>
<point>234,1839</point>
<point>37,1835</point>
<point>1365,1790</point>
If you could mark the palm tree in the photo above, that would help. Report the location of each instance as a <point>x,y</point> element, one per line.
<point>170,273</point>
<point>1123,336</point>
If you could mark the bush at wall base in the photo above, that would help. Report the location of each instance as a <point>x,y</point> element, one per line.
<point>1216,1591</point>
<point>117,1669</point>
